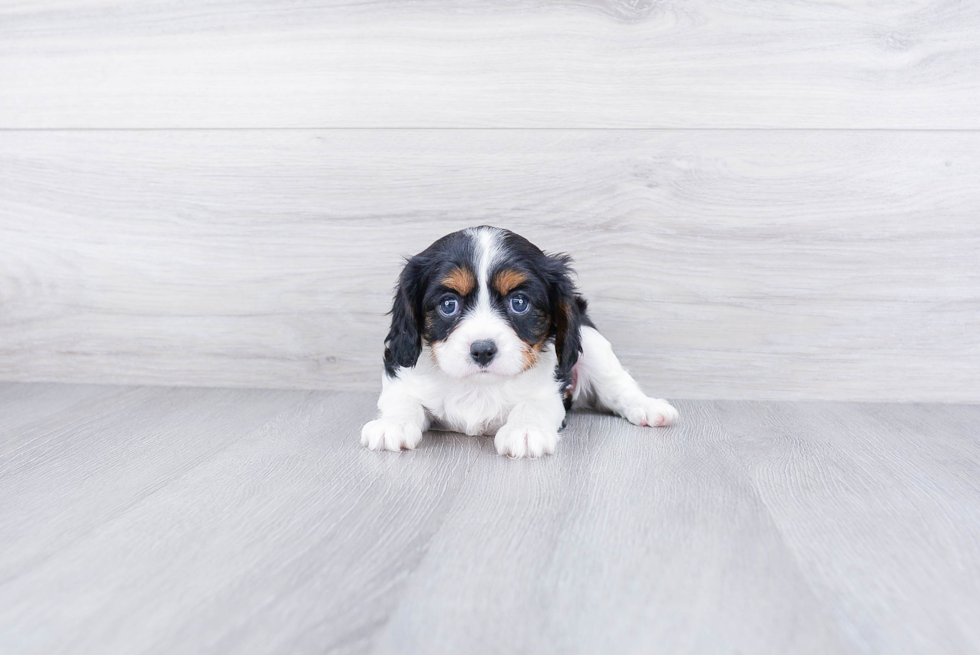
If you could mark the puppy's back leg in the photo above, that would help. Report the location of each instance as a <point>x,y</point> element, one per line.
<point>601,380</point>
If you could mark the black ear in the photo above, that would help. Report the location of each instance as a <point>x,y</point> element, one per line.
<point>403,345</point>
<point>567,309</point>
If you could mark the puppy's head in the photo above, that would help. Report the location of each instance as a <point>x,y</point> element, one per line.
<point>486,301</point>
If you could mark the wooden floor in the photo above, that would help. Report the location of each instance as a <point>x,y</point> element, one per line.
<point>176,520</point>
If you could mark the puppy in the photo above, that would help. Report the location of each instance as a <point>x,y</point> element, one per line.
<point>489,336</point>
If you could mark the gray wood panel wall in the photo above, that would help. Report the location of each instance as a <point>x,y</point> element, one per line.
<point>764,200</point>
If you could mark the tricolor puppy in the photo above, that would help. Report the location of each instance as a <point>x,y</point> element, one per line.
<point>488,336</point>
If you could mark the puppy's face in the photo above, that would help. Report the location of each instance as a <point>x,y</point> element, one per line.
<point>486,301</point>
<point>490,315</point>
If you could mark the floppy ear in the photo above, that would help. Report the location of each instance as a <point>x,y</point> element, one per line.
<point>403,345</point>
<point>566,312</point>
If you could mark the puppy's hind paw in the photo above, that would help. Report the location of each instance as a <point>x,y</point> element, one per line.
<point>651,412</point>
<point>385,434</point>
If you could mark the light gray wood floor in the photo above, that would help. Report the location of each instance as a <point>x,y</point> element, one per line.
<point>171,520</point>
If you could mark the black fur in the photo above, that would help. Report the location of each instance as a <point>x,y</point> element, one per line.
<point>557,311</point>
<point>416,296</point>
<point>403,345</point>
<point>568,310</point>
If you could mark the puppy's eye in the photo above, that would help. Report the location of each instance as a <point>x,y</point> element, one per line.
<point>519,304</point>
<point>449,307</point>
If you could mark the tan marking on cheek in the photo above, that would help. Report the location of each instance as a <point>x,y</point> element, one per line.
<point>434,350</point>
<point>531,353</point>
<point>529,357</point>
<point>507,280</point>
<point>460,280</point>
<point>429,326</point>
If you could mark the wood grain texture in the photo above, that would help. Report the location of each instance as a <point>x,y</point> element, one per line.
<point>517,63</point>
<point>629,541</point>
<point>755,264</point>
<point>253,522</point>
<point>166,432</point>
<point>834,478</point>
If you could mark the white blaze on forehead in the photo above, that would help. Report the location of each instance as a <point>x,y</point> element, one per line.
<point>486,246</point>
<point>483,322</point>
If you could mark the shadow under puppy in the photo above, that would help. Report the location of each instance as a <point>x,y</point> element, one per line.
<point>489,336</point>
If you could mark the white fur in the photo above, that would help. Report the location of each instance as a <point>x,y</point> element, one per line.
<point>602,382</point>
<point>453,354</point>
<point>487,246</point>
<point>483,322</point>
<point>477,405</point>
<point>522,408</point>
<point>524,411</point>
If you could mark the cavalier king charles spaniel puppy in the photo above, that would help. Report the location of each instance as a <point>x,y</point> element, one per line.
<point>489,336</point>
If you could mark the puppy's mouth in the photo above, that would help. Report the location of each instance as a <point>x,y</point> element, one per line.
<point>482,373</point>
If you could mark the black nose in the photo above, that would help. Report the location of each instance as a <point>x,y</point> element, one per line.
<point>483,351</point>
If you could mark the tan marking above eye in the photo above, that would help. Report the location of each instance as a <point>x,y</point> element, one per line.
<point>507,280</point>
<point>459,280</point>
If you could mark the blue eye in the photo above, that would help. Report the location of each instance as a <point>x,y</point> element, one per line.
<point>449,307</point>
<point>519,304</point>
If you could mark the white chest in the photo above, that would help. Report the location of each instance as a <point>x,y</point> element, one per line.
<point>473,409</point>
<point>482,405</point>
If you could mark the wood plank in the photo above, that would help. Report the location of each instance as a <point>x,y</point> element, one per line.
<point>20,430</point>
<point>880,506</point>
<point>21,404</point>
<point>749,526</point>
<point>74,470</point>
<point>713,63</point>
<point>629,540</point>
<point>788,264</point>
<point>290,526</point>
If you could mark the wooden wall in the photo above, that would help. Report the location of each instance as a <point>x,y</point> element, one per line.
<point>765,200</point>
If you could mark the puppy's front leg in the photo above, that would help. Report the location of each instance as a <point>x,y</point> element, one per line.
<point>532,428</point>
<point>402,421</point>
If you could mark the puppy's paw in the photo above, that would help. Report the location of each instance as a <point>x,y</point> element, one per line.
<point>525,440</point>
<point>651,412</point>
<point>385,434</point>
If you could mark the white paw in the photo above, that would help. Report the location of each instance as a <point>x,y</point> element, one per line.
<point>525,440</point>
<point>651,412</point>
<point>385,434</point>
